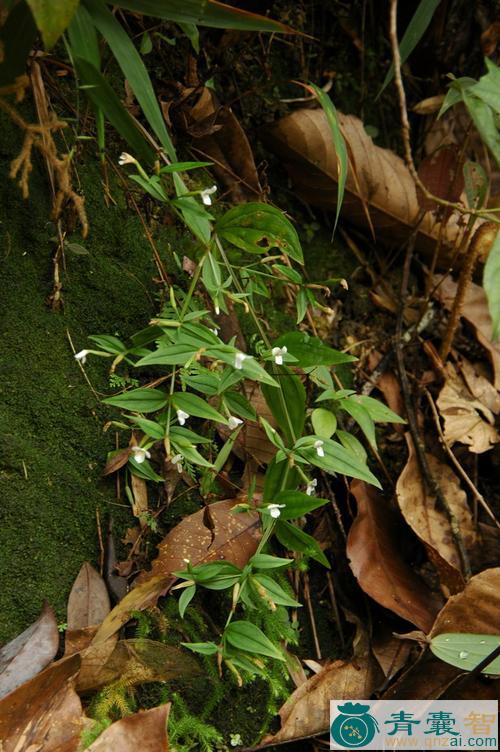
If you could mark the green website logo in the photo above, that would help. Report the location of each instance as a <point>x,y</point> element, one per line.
<point>354,726</point>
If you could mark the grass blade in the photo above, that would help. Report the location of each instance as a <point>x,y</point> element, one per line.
<point>413,34</point>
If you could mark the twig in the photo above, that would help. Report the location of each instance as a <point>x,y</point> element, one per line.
<point>101,544</point>
<point>307,598</point>
<point>335,608</point>
<point>429,479</point>
<point>484,235</point>
<point>478,497</point>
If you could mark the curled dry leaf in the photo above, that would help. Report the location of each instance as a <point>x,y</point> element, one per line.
<point>146,730</point>
<point>44,713</point>
<point>475,610</point>
<point>466,419</point>
<point>380,192</point>
<point>476,312</point>
<point>307,710</point>
<point>28,653</point>
<point>378,565</point>
<point>140,496</point>
<point>116,461</point>
<point>234,537</point>
<point>429,522</point>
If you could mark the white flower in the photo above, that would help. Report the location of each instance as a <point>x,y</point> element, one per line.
<point>82,356</point>
<point>274,510</point>
<point>318,445</point>
<point>140,453</point>
<point>217,310</point>
<point>206,194</point>
<point>234,422</point>
<point>215,331</point>
<point>238,360</point>
<point>182,416</point>
<point>311,487</point>
<point>277,353</point>
<point>126,159</point>
<point>177,461</point>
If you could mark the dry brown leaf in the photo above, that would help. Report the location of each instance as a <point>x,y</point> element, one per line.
<point>45,713</point>
<point>378,181</point>
<point>441,173</point>
<point>117,461</point>
<point>427,679</point>
<point>391,653</point>
<point>28,653</point>
<point>466,419</point>
<point>140,495</point>
<point>475,610</point>
<point>146,730</point>
<point>252,442</point>
<point>378,564</point>
<point>476,312</point>
<point>307,710</point>
<point>88,602</point>
<point>479,386</point>
<point>232,536</point>
<point>134,661</point>
<point>429,522</point>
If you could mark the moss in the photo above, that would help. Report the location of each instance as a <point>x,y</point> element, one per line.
<point>52,445</point>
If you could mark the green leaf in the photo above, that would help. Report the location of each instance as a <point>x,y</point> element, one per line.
<point>187,596</point>
<point>491,284</point>
<point>266,561</point>
<point>301,303</point>
<point>237,404</point>
<point>108,343</point>
<point>102,94</point>
<point>199,225</point>
<point>377,411</point>
<point>174,355</point>
<point>205,648</point>
<point>297,504</point>
<point>139,400</point>
<point>337,459</point>
<point>258,228</point>
<point>250,368</point>
<point>191,454</point>
<point>488,86</point>
<point>294,539</point>
<point>352,444</point>
<point>485,121</point>
<point>184,436</point>
<point>476,184</point>
<point>362,418</point>
<point>338,142</point>
<point>271,433</point>
<point>52,17</point>
<point>413,34</point>
<point>275,592</point>
<point>244,635</point>
<point>194,405</point>
<point>192,33</point>
<point>83,38</point>
<point>204,381</point>
<point>204,13</point>
<point>144,470</point>
<point>183,167</point>
<point>467,650</point>
<point>278,477</point>
<point>310,351</point>
<point>324,422</point>
<point>293,395</point>
<point>133,69</point>
<point>149,427</point>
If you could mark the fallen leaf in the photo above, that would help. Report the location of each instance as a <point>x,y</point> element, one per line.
<point>380,193</point>
<point>146,730</point>
<point>252,442</point>
<point>428,679</point>
<point>476,312</point>
<point>233,537</point>
<point>442,174</point>
<point>116,461</point>
<point>429,522</point>
<point>391,653</point>
<point>475,610</point>
<point>88,602</point>
<point>466,420</point>
<point>44,714</point>
<point>307,710</point>
<point>28,653</point>
<point>377,562</point>
<point>479,386</point>
<point>140,496</point>
<point>135,661</point>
